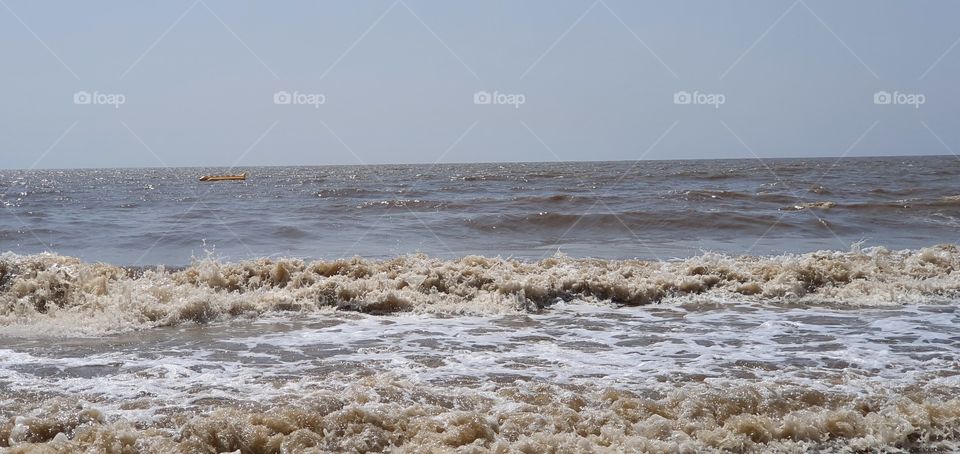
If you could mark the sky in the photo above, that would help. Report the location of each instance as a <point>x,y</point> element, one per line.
<point>237,83</point>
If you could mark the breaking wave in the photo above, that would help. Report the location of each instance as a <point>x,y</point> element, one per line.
<point>65,296</point>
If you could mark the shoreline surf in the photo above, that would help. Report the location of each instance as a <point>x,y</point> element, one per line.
<point>67,296</point>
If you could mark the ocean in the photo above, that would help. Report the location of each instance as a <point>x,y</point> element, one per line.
<point>789,305</point>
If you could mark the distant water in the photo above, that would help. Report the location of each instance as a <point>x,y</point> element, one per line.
<point>650,209</point>
<point>695,306</point>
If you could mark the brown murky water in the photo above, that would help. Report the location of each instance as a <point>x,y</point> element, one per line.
<point>779,328</point>
<point>694,376</point>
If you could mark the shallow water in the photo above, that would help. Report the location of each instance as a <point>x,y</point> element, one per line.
<point>574,343</point>
<point>807,376</point>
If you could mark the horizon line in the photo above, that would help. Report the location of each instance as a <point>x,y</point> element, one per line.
<point>779,158</point>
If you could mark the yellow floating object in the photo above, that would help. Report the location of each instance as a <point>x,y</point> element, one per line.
<point>240,177</point>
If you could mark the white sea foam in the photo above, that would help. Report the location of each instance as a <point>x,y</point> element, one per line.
<point>818,351</point>
<point>741,376</point>
<point>57,295</point>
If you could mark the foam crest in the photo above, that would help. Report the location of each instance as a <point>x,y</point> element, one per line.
<point>62,295</point>
<point>382,412</point>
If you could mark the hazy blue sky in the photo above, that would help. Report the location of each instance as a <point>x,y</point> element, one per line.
<point>398,79</point>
